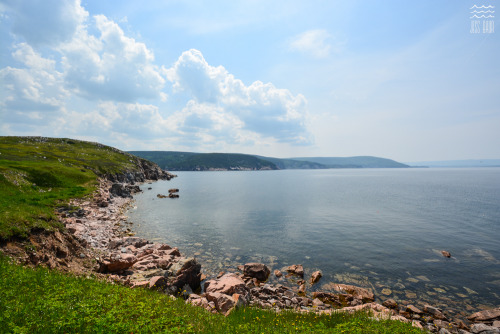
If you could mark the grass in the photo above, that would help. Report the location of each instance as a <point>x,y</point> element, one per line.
<point>39,174</point>
<point>44,301</point>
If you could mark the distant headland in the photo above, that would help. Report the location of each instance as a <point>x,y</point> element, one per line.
<point>191,161</point>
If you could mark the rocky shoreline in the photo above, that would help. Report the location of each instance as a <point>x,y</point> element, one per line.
<point>99,240</point>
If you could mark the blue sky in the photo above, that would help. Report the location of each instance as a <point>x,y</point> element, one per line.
<point>403,80</point>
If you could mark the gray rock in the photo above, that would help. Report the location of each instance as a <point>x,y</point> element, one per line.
<point>120,190</point>
<point>436,313</point>
<point>484,329</point>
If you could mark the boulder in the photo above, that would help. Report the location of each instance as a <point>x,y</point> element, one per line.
<point>197,300</point>
<point>390,303</point>
<point>484,329</point>
<point>158,283</point>
<point>365,295</point>
<point>485,316</point>
<point>277,273</point>
<point>120,190</point>
<point>296,269</point>
<point>436,313</point>
<point>118,262</point>
<point>173,190</point>
<point>256,270</point>
<point>185,271</point>
<point>317,302</point>
<point>173,252</point>
<point>413,309</point>
<point>223,303</point>
<point>315,276</point>
<point>228,284</point>
<point>127,241</point>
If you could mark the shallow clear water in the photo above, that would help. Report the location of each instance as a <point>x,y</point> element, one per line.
<point>378,228</point>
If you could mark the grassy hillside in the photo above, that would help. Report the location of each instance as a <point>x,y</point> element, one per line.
<point>44,301</point>
<point>173,160</point>
<point>39,174</point>
<point>204,161</point>
<point>293,164</point>
<point>354,162</point>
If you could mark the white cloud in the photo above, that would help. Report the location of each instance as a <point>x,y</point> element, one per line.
<point>112,120</point>
<point>259,108</point>
<point>32,94</point>
<point>46,22</point>
<point>92,81</point>
<point>316,43</point>
<point>111,66</point>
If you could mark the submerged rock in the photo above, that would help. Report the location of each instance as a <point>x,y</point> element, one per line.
<point>446,254</point>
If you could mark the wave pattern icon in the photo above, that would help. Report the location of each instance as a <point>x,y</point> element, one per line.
<point>484,7</point>
<point>482,12</point>
<point>482,17</point>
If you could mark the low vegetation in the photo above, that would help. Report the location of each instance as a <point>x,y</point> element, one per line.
<point>37,175</point>
<point>43,301</point>
<point>189,161</point>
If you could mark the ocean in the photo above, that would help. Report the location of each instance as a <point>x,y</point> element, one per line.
<point>382,229</point>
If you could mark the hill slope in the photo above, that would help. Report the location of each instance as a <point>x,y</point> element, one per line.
<point>38,175</point>
<point>354,162</point>
<point>189,161</point>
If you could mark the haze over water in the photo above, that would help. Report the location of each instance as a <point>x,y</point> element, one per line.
<point>378,228</point>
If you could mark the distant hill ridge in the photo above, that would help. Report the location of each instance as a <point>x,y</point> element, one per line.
<point>191,161</point>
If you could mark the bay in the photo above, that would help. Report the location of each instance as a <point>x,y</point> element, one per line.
<point>382,229</point>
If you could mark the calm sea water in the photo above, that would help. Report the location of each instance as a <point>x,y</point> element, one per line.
<point>378,228</point>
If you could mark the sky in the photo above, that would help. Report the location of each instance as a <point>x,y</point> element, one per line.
<point>405,80</point>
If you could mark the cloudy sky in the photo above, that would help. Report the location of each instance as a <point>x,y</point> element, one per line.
<point>405,80</point>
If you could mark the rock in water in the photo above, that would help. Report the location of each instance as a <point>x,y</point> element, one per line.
<point>365,295</point>
<point>486,315</point>
<point>256,270</point>
<point>446,254</point>
<point>296,269</point>
<point>390,303</point>
<point>315,276</point>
